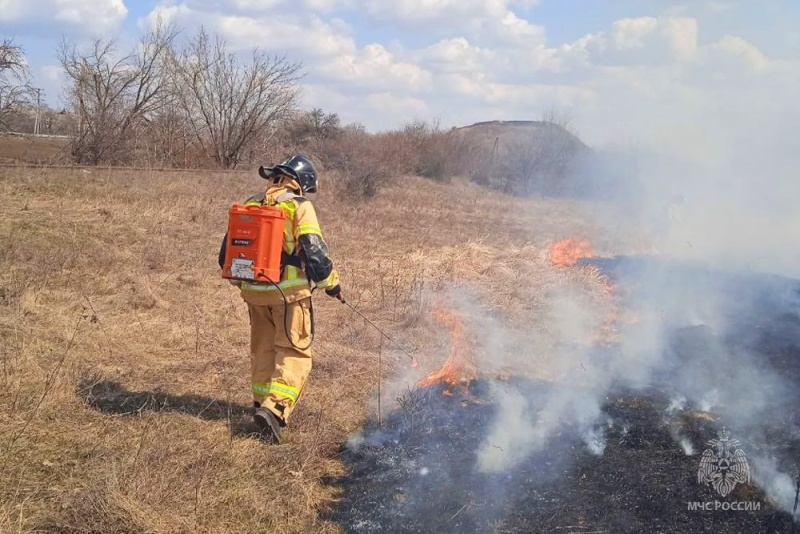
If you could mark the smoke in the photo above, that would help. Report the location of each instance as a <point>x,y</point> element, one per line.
<point>732,205</point>
<point>717,330</point>
<point>779,486</point>
<point>715,295</point>
<point>687,447</point>
<point>576,386</point>
<point>595,440</point>
<point>503,448</point>
<point>705,337</point>
<point>724,197</point>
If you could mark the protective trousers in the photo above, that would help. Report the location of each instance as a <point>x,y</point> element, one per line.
<point>279,369</point>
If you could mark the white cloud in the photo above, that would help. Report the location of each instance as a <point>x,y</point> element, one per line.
<point>375,67</point>
<point>330,52</point>
<point>435,10</point>
<point>12,10</point>
<point>269,6</point>
<point>166,14</point>
<point>745,53</point>
<point>385,107</point>
<point>456,55</point>
<point>514,29</point>
<point>88,15</point>
<point>643,40</point>
<point>255,5</point>
<point>720,7</point>
<point>492,20</point>
<point>325,6</point>
<point>273,33</point>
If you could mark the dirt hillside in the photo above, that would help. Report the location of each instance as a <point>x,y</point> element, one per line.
<point>508,132</point>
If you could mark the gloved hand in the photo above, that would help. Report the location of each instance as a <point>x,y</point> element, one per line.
<point>336,292</point>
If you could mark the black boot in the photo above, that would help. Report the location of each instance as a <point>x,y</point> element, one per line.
<point>269,424</point>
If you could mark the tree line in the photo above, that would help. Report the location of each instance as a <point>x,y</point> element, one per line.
<point>173,103</point>
<point>189,101</point>
<point>15,88</point>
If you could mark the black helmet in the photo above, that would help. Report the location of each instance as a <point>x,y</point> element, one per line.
<point>298,167</point>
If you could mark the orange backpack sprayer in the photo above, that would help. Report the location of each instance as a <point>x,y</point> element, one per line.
<point>255,243</point>
<point>254,250</point>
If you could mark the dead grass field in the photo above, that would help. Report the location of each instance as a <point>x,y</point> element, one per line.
<point>29,149</point>
<point>125,385</point>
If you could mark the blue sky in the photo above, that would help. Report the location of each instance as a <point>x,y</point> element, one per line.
<point>616,67</point>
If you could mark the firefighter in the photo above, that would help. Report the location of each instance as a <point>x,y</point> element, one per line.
<point>281,321</point>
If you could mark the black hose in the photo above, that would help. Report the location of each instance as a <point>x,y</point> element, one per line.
<point>286,315</point>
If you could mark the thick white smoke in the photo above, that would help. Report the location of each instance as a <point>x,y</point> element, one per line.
<point>728,209</point>
<point>712,179</point>
<point>721,193</point>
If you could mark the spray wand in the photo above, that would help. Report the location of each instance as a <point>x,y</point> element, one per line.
<point>413,360</point>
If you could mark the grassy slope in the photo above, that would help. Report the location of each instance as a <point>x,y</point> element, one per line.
<point>124,355</point>
<point>18,149</point>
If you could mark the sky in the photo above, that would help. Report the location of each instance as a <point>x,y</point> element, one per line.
<point>621,71</point>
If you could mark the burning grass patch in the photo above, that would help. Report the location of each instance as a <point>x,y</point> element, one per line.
<point>616,443</point>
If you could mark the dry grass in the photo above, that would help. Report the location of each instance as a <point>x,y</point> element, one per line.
<point>124,354</point>
<point>29,149</point>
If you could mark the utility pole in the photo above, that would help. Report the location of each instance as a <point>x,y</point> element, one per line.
<point>38,108</point>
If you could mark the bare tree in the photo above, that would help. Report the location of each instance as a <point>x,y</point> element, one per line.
<point>112,94</point>
<point>15,89</point>
<point>539,161</point>
<point>314,132</point>
<point>228,102</point>
<point>164,140</point>
<point>316,125</point>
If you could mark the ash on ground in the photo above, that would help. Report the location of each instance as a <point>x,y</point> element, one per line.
<point>418,473</point>
<point>635,469</point>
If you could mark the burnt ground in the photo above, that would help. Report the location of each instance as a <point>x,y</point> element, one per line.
<point>417,471</point>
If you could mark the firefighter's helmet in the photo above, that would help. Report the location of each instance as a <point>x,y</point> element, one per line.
<point>298,167</point>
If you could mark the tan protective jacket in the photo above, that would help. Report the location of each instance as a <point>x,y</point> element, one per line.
<point>301,220</point>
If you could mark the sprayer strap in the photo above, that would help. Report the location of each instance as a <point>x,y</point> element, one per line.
<point>291,259</point>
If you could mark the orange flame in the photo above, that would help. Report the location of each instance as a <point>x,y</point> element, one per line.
<point>569,251</point>
<point>607,332</point>
<point>459,367</point>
